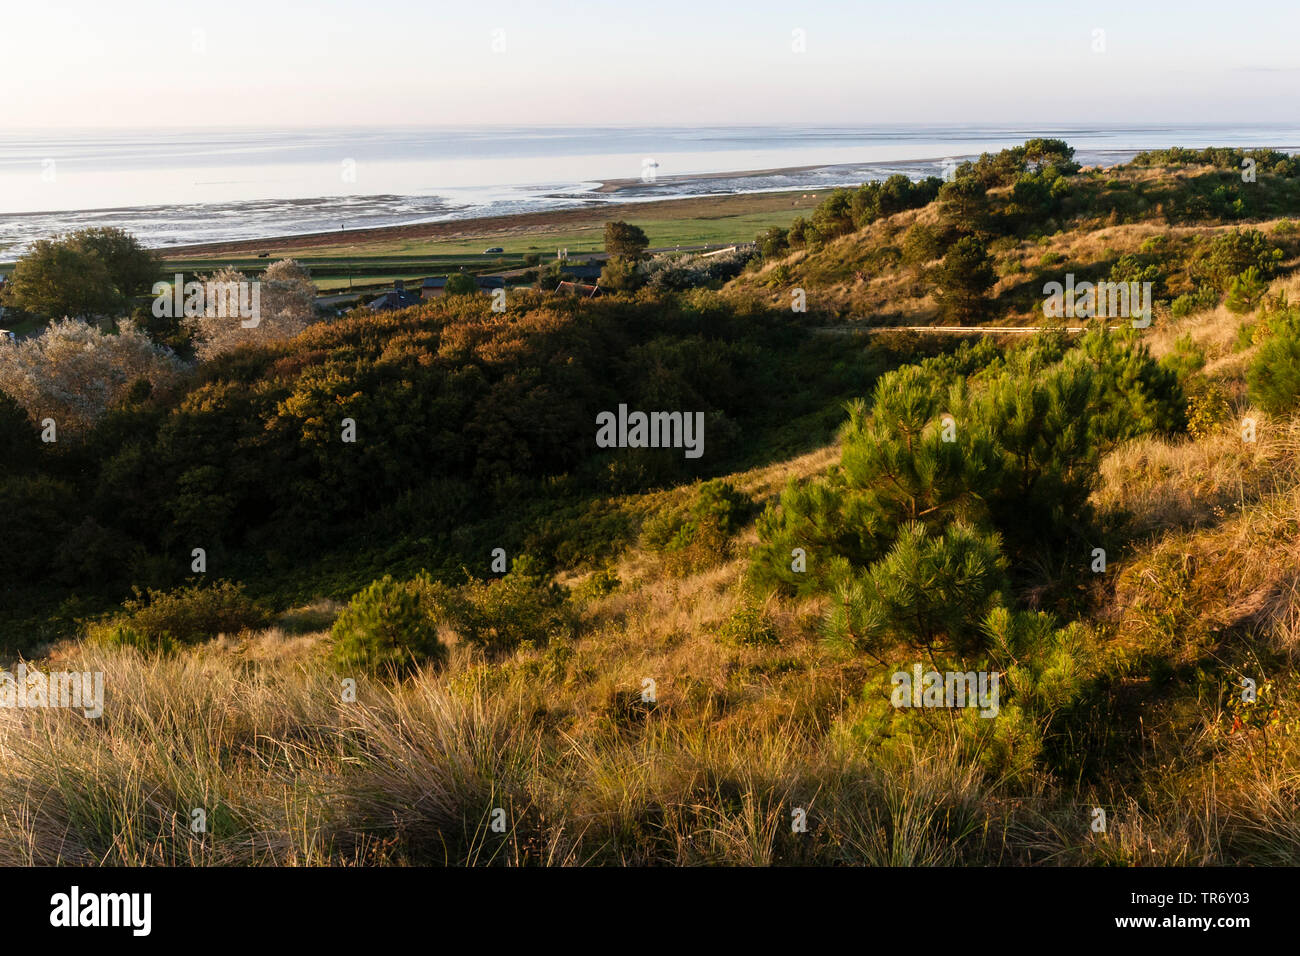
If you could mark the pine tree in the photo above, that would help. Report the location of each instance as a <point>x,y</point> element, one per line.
<point>964,280</point>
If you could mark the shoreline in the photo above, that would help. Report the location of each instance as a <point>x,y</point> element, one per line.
<point>488,227</point>
<point>502,226</point>
<point>609,186</point>
<point>582,213</point>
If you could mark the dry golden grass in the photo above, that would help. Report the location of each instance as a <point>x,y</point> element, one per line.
<point>1174,483</point>
<point>255,731</point>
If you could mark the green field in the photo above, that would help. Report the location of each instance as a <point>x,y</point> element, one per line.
<point>366,264</point>
<point>713,230</point>
<point>372,263</point>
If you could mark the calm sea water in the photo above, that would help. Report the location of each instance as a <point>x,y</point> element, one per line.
<point>179,186</point>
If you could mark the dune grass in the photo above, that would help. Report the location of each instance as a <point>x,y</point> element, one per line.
<point>550,756</point>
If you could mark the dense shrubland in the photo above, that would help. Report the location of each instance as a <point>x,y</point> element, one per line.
<point>464,418</point>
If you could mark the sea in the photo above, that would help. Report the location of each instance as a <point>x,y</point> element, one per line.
<point>181,186</point>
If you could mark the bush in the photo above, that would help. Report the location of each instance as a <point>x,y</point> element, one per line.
<point>1129,268</point>
<point>1185,305</point>
<point>1208,406</point>
<point>1016,448</point>
<point>1185,359</point>
<point>1230,254</point>
<point>121,635</point>
<point>1246,291</point>
<point>922,244</point>
<point>460,283</point>
<point>964,205</point>
<point>773,243</point>
<point>748,623</point>
<point>184,615</point>
<point>503,614</point>
<point>387,625</point>
<point>964,280</point>
<point>73,372</point>
<point>929,589</point>
<point>699,535</point>
<point>287,307</point>
<point>599,584</point>
<point>1273,378</point>
<point>622,274</point>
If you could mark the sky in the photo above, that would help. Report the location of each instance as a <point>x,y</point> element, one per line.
<point>146,63</point>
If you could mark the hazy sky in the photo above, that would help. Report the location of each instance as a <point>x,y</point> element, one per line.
<point>252,62</point>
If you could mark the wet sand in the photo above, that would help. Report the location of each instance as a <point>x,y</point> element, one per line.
<point>520,224</point>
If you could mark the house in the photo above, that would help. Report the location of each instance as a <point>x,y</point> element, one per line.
<point>588,273</point>
<point>436,286</point>
<point>399,298</point>
<point>579,289</point>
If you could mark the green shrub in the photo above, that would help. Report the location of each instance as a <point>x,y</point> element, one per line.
<point>598,585</point>
<point>501,615</point>
<point>460,283</point>
<point>1273,378</point>
<point>622,274</point>
<point>930,589</point>
<point>922,244</point>
<point>1230,254</point>
<point>1246,291</point>
<point>699,535</point>
<point>1184,306</point>
<point>1130,268</point>
<point>964,280</point>
<point>121,635</point>
<point>1185,359</point>
<point>184,615</point>
<point>387,625</point>
<point>1012,445</point>
<point>1245,337</point>
<point>780,276</point>
<point>773,243</point>
<point>748,623</point>
<point>1044,667</point>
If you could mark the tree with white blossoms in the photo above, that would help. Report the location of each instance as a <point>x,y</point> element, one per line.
<point>73,372</point>
<point>287,300</point>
